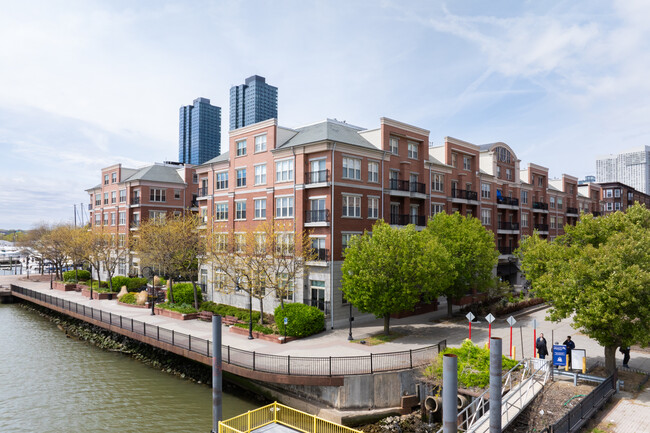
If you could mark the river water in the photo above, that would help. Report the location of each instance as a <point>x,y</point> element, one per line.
<point>51,383</point>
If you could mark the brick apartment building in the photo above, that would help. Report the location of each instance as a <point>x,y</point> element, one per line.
<point>335,180</point>
<point>618,196</point>
<point>127,196</point>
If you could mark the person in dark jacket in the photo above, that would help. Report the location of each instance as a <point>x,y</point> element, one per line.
<point>570,345</point>
<point>626,356</point>
<point>540,344</point>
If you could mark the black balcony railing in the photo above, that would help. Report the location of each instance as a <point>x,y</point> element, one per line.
<point>541,227</point>
<point>508,226</point>
<point>540,205</point>
<point>505,251</point>
<point>398,185</point>
<point>135,200</point>
<point>203,191</point>
<point>317,216</point>
<point>417,187</point>
<point>319,176</point>
<point>596,213</point>
<point>402,220</point>
<point>465,194</point>
<point>573,210</point>
<point>508,200</point>
<point>194,203</point>
<point>321,254</point>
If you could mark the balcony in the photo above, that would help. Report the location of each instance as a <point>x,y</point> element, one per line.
<point>508,201</point>
<point>541,227</point>
<point>321,254</point>
<point>407,186</point>
<point>596,213</point>
<point>540,206</point>
<point>572,210</point>
<point>506,251</point>
<point>317,218</point>
<point>508,226</point>
<point>135,200</point>
<point>403,220</point>
<point>203,191</point>
<point>464,194</point>
<point>320,176</point>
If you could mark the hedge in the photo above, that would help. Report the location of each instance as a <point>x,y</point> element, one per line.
<point>82,273</point>
<point>184,293</point>
<point>182,308</point>
<point>303,320</point>
<point>129,298</point>
<point>228,310</point>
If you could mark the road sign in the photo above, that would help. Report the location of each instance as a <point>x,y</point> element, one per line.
<point>489,318</point>
<point>511,321</point>
<point>286,320</point>
<point>470,316</point>
<point>559,355</point>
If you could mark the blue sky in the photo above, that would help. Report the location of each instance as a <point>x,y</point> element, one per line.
<point>86,84</point>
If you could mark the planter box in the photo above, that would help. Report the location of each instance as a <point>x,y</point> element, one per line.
<point>133,305</point>
<point>273,338</point>
<point>81,287</point>
<point>64,287</point>
<point>174,314</point>
<point>98,295</point>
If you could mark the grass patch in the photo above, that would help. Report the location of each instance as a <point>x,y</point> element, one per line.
<point>381,338</point>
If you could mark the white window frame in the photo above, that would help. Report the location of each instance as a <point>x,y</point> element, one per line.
<point>241,181</point>
<point>351,168</point>
<point>221,211</point>
<point>240,146</point>
<point>437,208</point>
<point>260,174</point>
<point>437,182</point>
<point>373,207</point>
<point>121,218</point>
<point>486,217</point>
<point>284,207</point>
<point>524,219</point>
<point>355,205</point>
<point>260,208</point>
<point>524,197</point>
<point>413,149</point>
<point>284,170</point>
<point>373,171</point>
<point>221,180</point>
<point>394,145</point>
<point>467,162</point>
<point>486,190</point>
<point>157,195</point>
<point>240,210</point>
<point>260,143</point>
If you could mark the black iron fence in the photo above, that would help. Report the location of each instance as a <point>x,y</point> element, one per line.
<point>277,364</point>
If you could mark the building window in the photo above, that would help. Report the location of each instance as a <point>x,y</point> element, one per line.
<point>260,174</point>
<point>559,202</point>
<point>284,207</point>
<point>498,172</point>
<point>373,171</point>
<point>260,143</point>
<point>617,206</point>
<point>220,281</point>
<point>221,181</point>
<point>112,218</point>
<point>351,168</point>
<point>122,218</point>
<point>454,159</point>
<point>241,176</point>
<point>373,207</point>
<point>552,222</point>
<point>240,210</point>
<point>240,242</point>
<point>122,196</point>
<point>121,240</point>
<point>241,147</point>
<point>157,215</point>
<point>177,194</point>
<point>221,211</point>
<point>204,214</point>
<point>413,179</point>
<point>617,192</point>
<point>105,218</point>
<point>485,190</point>
<point>113,197</point>
<point>508,174</point>
<point>98,219</point>
<point>345,240</point>
<point>560,222</point>
<point>195,178</point>
<point>113,177</point>
<point>413,150</point>
<point>284,170</point>
<point>260,208</point>
<point>394,145</point>
<point>352,206</point>
<point>157,195</point>
<point>285,286</point>
<point>136,220</point>
<point>540,181</point>
<point>552,202</point>
<point>486,217</point>
<point>467,162</point>
<point>524,197</point>
<point>610,207</point>
<point>98,199</point>
<point>524,219</point>
<point>608,193</point>
<point>437,182</point>
<point>437,208</point>
<point>105,179</point>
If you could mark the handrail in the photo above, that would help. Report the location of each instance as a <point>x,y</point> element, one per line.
<point>325,366</point>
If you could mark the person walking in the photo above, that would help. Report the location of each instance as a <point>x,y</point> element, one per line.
<point>540,344</point>
<point>626,356</point>
<point>570,345</point>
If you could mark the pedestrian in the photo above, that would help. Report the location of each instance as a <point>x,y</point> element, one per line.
<point>540,344</point>
<point>570,345</point>
<point>626,356</point>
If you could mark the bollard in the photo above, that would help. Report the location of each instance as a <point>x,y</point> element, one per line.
<point>514,352</point>
<point>584,365</point>
<point>496,372</point>
<point>217,377</point>
<point>566,366</point>
<point>449,393</point>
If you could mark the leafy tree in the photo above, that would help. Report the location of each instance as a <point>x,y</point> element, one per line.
<point>471,250</point>
<point>392,270</point>
<point>50,242</point>
<point>75,246</point>
<point>101,249</point>
<point>599,274</point>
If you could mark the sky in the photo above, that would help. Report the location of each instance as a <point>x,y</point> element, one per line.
<point>87,84</point>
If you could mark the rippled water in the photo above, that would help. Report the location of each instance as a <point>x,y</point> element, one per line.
<point>51,383</point>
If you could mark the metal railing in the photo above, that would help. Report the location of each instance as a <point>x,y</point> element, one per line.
<point>508,201</point>
<point>317,216</point>
<point>540,205</point>
<point>465,194</point>
<point>276,413</point>
<point>572,210</point>
<point>506,251</point>
<point>203,191</point>
<point>403,220</point>
<point>275,364</point>
<point>541,227</point>
<point>508,226</point>
<point>321,254</point>
<point>319,176</point>
<point>406,185</point>
<point>135,200</point>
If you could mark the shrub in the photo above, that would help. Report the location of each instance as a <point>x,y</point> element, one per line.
<point>119,281</point>
<point>228,310</point>
<point>69,276</point>
<point>184,293</point>
<point>179,308</point>
<point>135,284</point>
<point>256,327</point>
<point>303,320</point>
<point>129,298</point>
<point>99,284</point>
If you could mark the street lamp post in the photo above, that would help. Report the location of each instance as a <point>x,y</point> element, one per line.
<point>351,319</point>
<point>250,315</point>
<point>51,280</point>
<point>90,269</point>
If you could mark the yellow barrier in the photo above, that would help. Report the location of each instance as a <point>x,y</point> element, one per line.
<point>280,414</point>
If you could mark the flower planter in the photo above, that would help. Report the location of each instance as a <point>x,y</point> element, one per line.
<point>64,287</point>
<point>273,338</point>
<point>98,295</point>
<point>174,314</point>
<point>81,287</point>
<point>133,305</point>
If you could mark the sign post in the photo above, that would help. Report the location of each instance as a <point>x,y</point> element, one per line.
<point>511,322</point>
<point>490,319</point>
<point>286,320</point>
<point>470,317</point>
<point>534,338</point>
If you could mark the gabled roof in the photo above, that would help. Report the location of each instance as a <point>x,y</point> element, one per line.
<point>223,157</point>
<point>328,130</point>
<point>156,173</point>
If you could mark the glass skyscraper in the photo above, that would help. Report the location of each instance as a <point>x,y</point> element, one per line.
<point>252,102</point>
<point>199,132</point>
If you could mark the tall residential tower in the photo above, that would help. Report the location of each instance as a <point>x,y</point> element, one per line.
<point>199,132</point>
<point>252,102</point>
<point>631,168</point>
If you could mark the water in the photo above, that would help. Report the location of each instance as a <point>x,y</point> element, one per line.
<point>51,383</point>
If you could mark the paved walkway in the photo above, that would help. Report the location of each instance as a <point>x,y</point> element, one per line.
<point>627,413</point>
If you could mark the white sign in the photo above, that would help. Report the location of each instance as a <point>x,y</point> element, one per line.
<point>286,320</point>
<point>511,321</point>
<point>489,318</point>
<point>470,316</point>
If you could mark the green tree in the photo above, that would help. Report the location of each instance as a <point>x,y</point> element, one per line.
<point>471,250</point>
<point>392,270</point>
<point>599,274</point>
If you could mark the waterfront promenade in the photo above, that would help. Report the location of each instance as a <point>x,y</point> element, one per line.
<point>418,331</point>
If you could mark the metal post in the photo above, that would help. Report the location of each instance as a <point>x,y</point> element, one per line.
<point>217,393</point>
<point>51,280</point>
<point>449,393</point>
<point>496,371</point>
<point>250,315</point>
<point>350,334</point>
